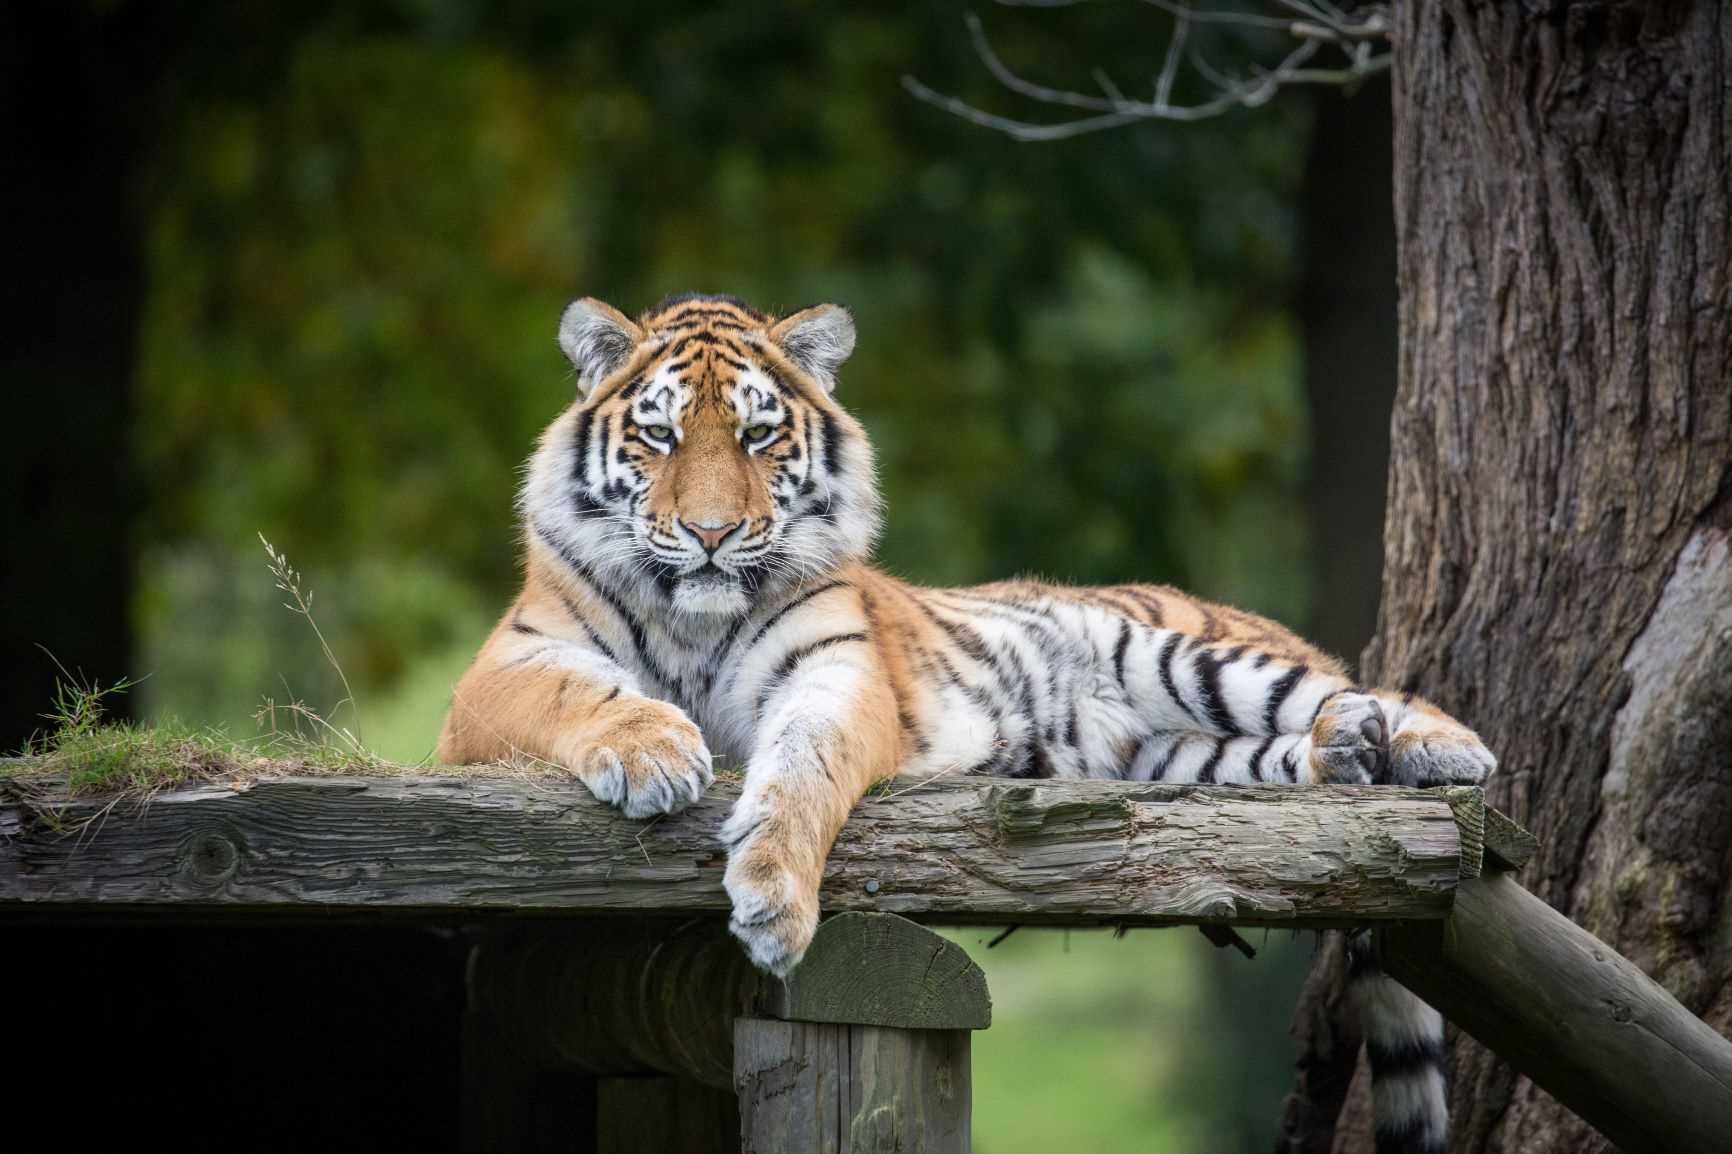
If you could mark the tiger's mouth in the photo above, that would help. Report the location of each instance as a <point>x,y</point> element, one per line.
<point>712,590</point>
<point>711,574</point>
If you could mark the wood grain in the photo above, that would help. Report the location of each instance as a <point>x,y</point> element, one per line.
<point>883,970</point>
<point>821,1088</point>
<point>1565,1009</point>
<point>945,850</point>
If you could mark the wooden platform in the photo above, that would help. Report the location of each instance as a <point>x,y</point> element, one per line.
<point>957,850</point>
<point>561,897</point>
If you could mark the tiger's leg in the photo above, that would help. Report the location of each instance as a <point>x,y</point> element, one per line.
<point>827,730</point>
<point>1235,690</point>
<point>532,693</point>
<point>1396,739</point>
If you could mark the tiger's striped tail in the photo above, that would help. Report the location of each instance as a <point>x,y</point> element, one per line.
<point>1404,1041</point>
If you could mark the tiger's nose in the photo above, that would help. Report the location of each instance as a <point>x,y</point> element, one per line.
<point>710,533</point>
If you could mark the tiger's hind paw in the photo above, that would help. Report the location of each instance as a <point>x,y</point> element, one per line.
<point>1350,741</point>
<point>1427,755</point>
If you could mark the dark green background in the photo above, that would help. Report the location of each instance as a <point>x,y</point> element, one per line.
<point>295,270</point>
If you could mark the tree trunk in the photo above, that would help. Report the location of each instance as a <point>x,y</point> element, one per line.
<point>1558,543</point>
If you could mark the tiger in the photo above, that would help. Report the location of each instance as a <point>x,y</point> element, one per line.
<point>697,528</point>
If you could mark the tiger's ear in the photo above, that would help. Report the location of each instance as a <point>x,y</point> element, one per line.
<point>598,338</point>
<point>818,340</point>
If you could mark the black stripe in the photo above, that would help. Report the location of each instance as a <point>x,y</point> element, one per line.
<point>1361,955</point>
<point>708,672</point>
<point>1408,1056</point>
<point>793,659</point>
<point>585,505</point>
<point>576,614</point>
<point>632,624</point>
<point>1167,681</point>
<point>1160,773</point>
<point>1124,643</point>
<point>1116,603</point>
<point>1279,692</point>
<point>832,443</point>
<point>1209,682</point>
<point>611,695</point>
<point>1206,775</point>
<point>790,607</point>
<point>1331,696</point>
<point>966,639</point>
<point>912,728</point>
<point>1149,602</point>
<point>1287,766</point>
<point>1257,758</point>
<point>580,447</point>
<point>1136,755</point>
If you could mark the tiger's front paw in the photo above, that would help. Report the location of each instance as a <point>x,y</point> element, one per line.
<point>645,756</point>
<point>775,902</point>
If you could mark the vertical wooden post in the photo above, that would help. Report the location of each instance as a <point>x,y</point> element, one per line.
<point>865,1047</point>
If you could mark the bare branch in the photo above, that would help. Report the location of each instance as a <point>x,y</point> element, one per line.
<point>1002,73</point>
<point>1170,66</point>
<point>1320,23</point>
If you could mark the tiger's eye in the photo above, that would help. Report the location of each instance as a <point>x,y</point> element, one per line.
<point>659,432</point>
<point>759,432</point>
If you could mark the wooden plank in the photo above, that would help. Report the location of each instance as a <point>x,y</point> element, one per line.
<point>952,849</point>
<point>883,970</point>
<point>1508,846</point>
<point>823,1088</point>
<point>1566,1010</point>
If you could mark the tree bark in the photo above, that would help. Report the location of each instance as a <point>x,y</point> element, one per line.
<point>1558,542</point>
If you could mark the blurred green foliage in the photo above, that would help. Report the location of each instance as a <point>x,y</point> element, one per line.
<point>362,224</point>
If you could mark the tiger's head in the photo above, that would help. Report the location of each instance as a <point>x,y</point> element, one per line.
<point>705,454</point>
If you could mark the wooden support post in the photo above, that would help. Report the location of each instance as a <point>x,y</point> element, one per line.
<point>1569,1012</point>
<point>865,1047</point>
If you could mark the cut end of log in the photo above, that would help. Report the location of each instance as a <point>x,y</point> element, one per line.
<point>883,970</point>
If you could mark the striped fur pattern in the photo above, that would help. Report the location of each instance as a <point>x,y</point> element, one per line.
<point>696,531</point>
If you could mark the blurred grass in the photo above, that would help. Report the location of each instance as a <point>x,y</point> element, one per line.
<point>1097,1043</point>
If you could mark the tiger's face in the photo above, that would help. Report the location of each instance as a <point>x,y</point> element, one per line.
<point>705,455</point>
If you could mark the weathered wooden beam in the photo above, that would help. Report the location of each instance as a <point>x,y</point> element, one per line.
<point>868,1057</point>
<point>1569,1012</point>
<point>948,849</point>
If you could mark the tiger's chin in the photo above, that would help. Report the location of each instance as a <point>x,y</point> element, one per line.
<point>711,593</point>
